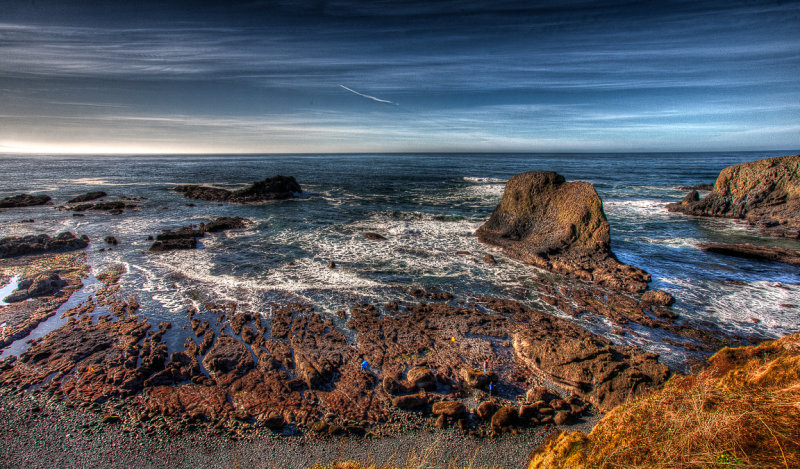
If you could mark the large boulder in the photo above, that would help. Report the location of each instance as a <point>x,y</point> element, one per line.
<point>275,188</point>
<point>24,200</point>
<point>20,246</point>
<point>560,226</point>
<point>764,193</point>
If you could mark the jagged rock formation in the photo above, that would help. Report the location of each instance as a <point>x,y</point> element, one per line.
<point>589,365</point>
<point>276,188</point>
<point>765,193</point>
<point>560,226</point>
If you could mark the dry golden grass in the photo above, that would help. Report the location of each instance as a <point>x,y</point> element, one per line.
<point>743,410</point>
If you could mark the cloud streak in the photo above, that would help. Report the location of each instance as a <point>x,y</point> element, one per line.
<point>379,100</point>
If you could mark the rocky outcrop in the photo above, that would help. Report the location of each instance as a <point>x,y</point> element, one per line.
<point>21,246</point>
<point>276,188</point>
<point>560,226</point>
<point>87,197</point>
<point>186,237</point>
<point>751,251</point>
<point>40,285</point>
<point>764,193</point>
<point>589,365</point>
<point>24,200</point>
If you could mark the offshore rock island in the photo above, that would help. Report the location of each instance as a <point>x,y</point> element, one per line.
<point>426,359</point>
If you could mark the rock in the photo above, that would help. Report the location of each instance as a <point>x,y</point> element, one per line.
<point>588,364</point>
<point>41,285</point>
<point>21,246</point>
<point>412,401</point>
<point>764,193</point>
<point>562,417</point>
<point>489,259</point>
<point>700,187</point>
<point>89,196</point>
<point>658,297</point>
<point>391,385</point>
<point>538,393</point>
<point>24,200</point>
<point>526,412</point>
<point>276,188</point>
<point>487,409</point>
<point>111,240</point>
<point>374,236</point>
<point>421,378</point>
<point>227,359</point>
<point>441,421</point>
<point>186,237</point>
<point>559,226</point>
<point>475,378</point>
<point>452,409</point>
<point>113,206</point>
<point>225,223</point>
<point>751,251</point>
<point>506,416</point>
<point>331,265</point>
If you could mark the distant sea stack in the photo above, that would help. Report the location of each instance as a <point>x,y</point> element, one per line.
<point>559,226</point>
<point>276,188</point>
<point>765,193</point>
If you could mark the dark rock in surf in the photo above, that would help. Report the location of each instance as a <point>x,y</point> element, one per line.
<point>751,251</point>
<point>186,237</point>
<point>764,193</point>
<point>559,226</point>
<point>24,200</point>
<point>21,246</point>
<point>374,236</point>
<point>699,187</point>
<point>87,197</point>
<point>276,188</point>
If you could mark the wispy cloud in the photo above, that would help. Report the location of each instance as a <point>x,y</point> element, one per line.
<point>379,100</point>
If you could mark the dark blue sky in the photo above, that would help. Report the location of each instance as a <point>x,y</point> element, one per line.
<point>344,76</point>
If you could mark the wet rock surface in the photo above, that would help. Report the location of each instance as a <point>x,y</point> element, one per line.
<point>751,251</point>
<point>763,193</point>
<point>433,362</point>
<point>186,237</point>
<point>275,188</point>
<point>559,226</point>
<point>24,200</point>
<point>37,244</point>
<point>46,282</point>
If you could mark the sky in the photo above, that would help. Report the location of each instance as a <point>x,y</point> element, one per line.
<point>336,76</point>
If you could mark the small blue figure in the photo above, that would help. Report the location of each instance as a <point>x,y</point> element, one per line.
<point>490,388</point>
<point>364,366</point>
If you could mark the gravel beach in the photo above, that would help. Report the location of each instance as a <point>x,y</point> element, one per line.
<point>40,433</point>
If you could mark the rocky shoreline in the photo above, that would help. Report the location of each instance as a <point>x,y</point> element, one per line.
<point>485,370</point>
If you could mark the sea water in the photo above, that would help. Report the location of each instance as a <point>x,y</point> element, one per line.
<point>428,207</point>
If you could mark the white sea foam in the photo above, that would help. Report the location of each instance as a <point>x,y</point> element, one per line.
<point>762,307</point>
<point>636,209</point>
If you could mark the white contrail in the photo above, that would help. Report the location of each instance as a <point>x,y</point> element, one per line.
<point>369,97</point>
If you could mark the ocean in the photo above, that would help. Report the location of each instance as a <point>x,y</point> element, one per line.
<point>427,206</point>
